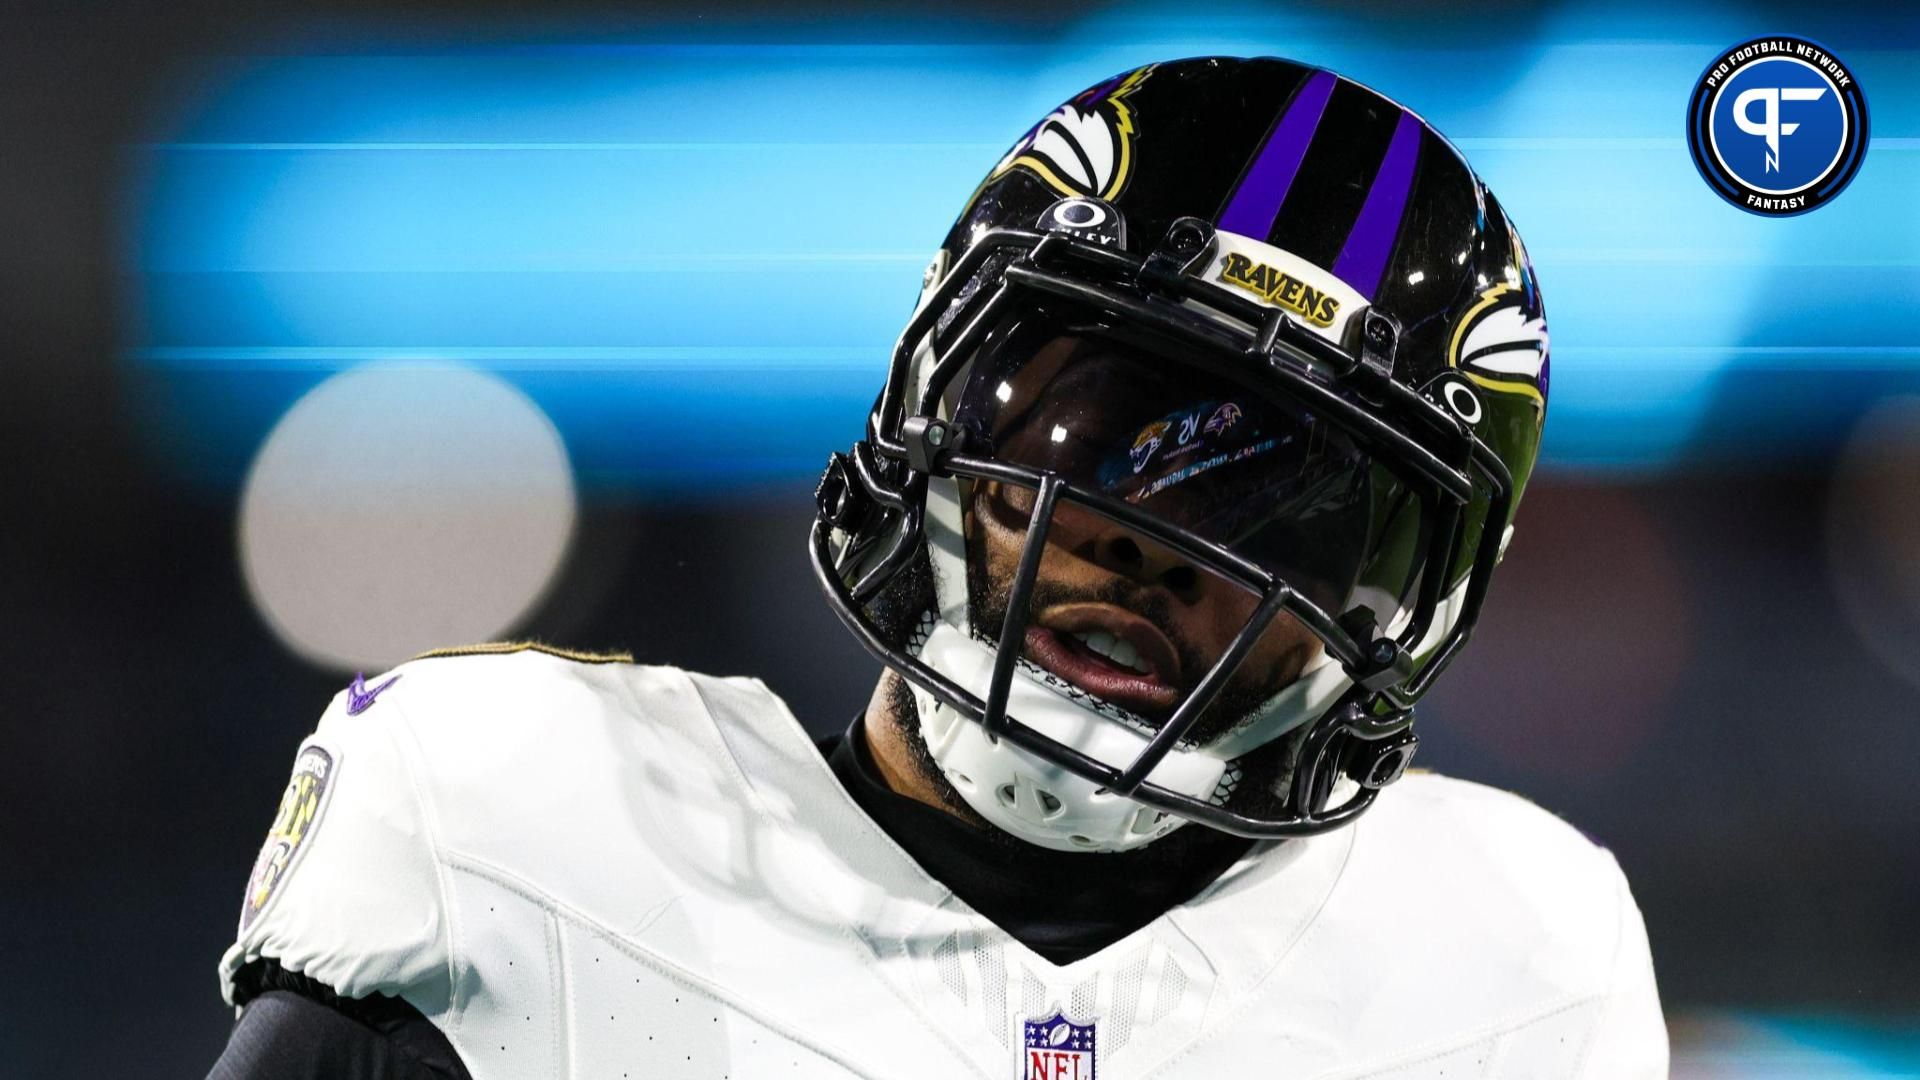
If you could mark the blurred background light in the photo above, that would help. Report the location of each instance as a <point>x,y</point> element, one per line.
<point>1600,652</point>
<point>397,509</point>
<point>695,254</point>
<point>1873,533</point>
<point>1731,1046</point>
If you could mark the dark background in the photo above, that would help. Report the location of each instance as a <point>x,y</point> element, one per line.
<point>1670,658</point>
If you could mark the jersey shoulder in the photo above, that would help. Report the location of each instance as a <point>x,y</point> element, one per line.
<point>1492,849</point>
<point>500,723</point>
<point>1475,923</point>
<point>1491,881</point>
<point>1480,819</point>
<point>534,766</point>
<point>490,752</point>
<point>484,691</point>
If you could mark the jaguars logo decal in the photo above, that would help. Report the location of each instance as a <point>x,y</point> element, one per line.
<point>1084,147</point>
<point>1501,344</point>
<point>1146,442</point>
<point>293,825</point>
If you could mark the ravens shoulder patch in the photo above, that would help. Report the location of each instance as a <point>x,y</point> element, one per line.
<point>301,807</point>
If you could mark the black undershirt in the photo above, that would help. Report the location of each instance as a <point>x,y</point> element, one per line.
<point>294,1028</point>
<point>1062,905</point>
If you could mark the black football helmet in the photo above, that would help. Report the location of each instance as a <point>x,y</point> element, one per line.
<point>1239,333</point>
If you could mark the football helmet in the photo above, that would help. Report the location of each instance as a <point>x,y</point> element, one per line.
<point>1233,335</point>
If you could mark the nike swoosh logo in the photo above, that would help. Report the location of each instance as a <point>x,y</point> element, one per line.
<point>359,698</point>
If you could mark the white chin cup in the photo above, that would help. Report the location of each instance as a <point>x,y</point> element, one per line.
<point>1034,800</point>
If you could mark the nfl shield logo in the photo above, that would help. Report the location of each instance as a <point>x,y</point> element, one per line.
<point>1058,1049</point>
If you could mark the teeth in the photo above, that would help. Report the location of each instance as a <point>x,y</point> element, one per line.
<point>1127,656</point>
<point>1113,648</point>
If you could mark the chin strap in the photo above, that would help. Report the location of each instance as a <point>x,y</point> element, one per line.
<point>1035,800</point>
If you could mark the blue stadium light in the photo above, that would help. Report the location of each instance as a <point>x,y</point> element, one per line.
<point>695,255</point>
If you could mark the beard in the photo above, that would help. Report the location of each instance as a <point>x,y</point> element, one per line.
<point>897,612</point>
<point>1262,791</point>
<point>989,589</point>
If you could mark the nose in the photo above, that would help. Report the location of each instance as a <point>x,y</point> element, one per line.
<point>1145,561</point>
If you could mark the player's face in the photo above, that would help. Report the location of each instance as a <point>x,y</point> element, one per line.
<point>1126,619</point>
<point>1113,612</point>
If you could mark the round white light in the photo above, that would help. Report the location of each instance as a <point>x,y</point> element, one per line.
<point>396,509</point>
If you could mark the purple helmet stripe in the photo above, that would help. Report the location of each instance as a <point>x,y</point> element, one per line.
<point>1256,201</point>
<point>1364,257</point>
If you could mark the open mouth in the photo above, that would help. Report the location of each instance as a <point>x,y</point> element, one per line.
<point>1110,653</point>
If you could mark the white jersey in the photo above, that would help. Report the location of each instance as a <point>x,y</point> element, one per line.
<point>607,870</point>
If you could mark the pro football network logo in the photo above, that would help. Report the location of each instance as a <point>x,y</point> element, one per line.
<point>1777,126</point>
<point>1058,1049</point>
<point>1084,147</point>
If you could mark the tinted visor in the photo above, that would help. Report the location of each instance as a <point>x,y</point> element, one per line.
<point>1245,468</point>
